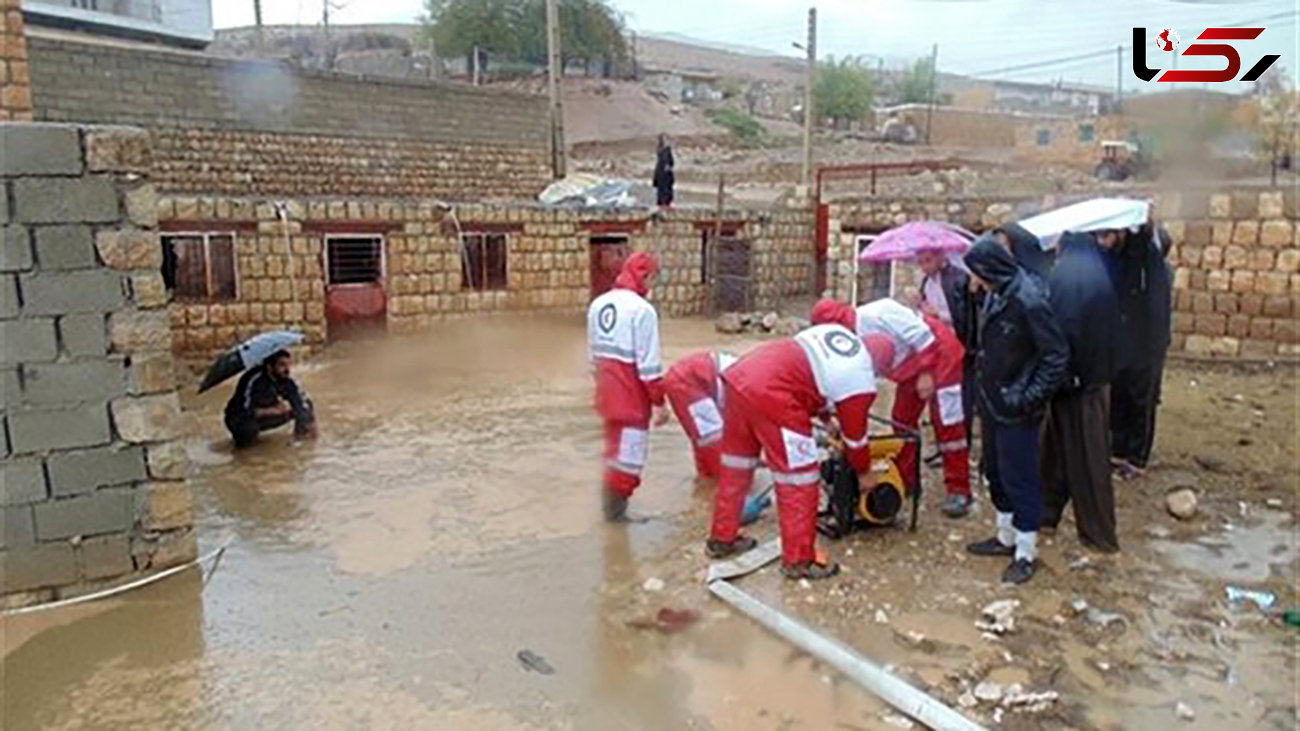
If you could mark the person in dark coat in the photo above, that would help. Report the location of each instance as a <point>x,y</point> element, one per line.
<point>1076,443</point>
<point>1021,359</point>
<point>1144,285</point>
<point>663,175</point>
<point>267,398</point>
<point>1026,248</point>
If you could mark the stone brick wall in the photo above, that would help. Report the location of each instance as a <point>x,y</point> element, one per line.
<point>15,91</point>
<point>548,262</point>
<point>93,482</point>
<point>1236,258</point>
<point>236,127</point>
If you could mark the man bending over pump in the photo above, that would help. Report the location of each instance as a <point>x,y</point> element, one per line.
<point>267,398</point>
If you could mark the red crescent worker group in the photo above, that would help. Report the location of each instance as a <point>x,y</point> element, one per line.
<point>738,411</point>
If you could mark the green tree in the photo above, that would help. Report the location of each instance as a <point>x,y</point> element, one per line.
<point>515,30</point>
<point>843,91</point>
<point>913,85</point>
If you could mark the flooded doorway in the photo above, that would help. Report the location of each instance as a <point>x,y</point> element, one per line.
<point>607,254</point>
<point>355,298</point>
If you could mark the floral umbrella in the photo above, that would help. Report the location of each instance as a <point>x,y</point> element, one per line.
<point>903,242</point>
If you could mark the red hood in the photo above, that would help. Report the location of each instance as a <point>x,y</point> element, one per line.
<point>834,312</point>
<point>636,270</point>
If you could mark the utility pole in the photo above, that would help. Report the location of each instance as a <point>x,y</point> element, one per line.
<point>556,71</point>
<point>257,21</point>
<point>1119,77</point>
<point>934,83</point>
<point>325,24</point>
<point>808,114</point>
<point>473,67</point>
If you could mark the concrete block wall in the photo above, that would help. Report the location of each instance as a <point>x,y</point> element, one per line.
<point>548,263</point>
<point>92,481</point>
<point>239,127</point>
<point>15,85</point>
<point>1235,259</point>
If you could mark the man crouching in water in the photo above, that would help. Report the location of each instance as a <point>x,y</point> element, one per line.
<point>267,398</point>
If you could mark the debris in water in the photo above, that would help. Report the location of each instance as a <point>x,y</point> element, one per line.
<point>667,621</point>
<point>967,700</point>
<point>989,692</point>
<point>1104,619</point>
<point>1079,606</point>
<point>1021,701</point>
<point>999,617</point>
<point>1181,503</point>
<point>1261,599</point>
<point>1184,712</point>
<point>1081,563</point>
<point>534,662</point>
<point>881,617</point>
<point>897,721</point>
<point>1158,531</point>
<point>653,584</point>
<point>1274,502</point>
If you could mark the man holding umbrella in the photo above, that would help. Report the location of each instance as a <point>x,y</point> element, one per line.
<point>267,398</point>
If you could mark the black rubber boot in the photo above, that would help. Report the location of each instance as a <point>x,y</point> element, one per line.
<point>1019,571</point>
<point>990,547</point>
<point>722,549</point>
<point>615,507</point>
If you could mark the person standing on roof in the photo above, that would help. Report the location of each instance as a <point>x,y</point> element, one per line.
<point>922,356</point>
<point>771,396</point>
<point>1021,360</point>
<point>693,387</point>
<point>623,349</point>
<point>664,178</point>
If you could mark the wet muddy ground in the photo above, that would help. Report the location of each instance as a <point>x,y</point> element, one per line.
<point>389,575</point>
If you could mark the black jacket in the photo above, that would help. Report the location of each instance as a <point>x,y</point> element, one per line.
<point>1087,310</point>
<point>664,163</point>
<point>258,390</point>
<point>1022,353</point>
<point>1145,287</point>
<point>1027,250</point>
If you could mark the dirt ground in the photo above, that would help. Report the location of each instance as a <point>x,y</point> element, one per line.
<point>390,574</point>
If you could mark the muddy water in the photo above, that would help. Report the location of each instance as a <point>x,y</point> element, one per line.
<point>388,574</point>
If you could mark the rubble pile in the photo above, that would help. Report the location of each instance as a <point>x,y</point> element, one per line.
<point>759,323</point>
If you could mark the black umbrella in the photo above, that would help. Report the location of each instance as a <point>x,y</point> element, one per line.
<point>248,354</point>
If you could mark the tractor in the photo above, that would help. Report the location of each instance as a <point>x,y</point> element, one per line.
<point>1121,160</point>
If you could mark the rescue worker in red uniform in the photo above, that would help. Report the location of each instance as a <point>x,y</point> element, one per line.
<point>623,348</point>
<point>771,397</point>
<point>924,358</point>
<point>694,390</point>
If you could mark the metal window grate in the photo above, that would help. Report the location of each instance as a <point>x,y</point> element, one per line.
<point>355,259</point>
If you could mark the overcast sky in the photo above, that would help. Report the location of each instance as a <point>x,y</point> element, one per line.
<point>974,36</point>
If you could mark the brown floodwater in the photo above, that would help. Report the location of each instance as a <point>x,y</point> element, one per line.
<point>388,574</point>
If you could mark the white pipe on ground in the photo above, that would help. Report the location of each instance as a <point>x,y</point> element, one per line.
<point>862,671</point>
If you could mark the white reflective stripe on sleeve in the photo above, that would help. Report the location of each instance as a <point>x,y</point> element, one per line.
<point>632,446</point>
<point>739,463</point>
<point>950,408</point>
<point>796,478</point>
<point>855,443</point>
<point>956,445</point>
<point>613,351</point>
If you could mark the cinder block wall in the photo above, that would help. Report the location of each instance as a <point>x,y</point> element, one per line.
<point>92,478</point>
<point>239,127</point>
<point>1235,259</point>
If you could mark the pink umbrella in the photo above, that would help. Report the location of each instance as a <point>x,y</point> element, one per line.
<point>903,242</point>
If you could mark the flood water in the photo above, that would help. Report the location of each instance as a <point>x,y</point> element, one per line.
<point>389,574</point>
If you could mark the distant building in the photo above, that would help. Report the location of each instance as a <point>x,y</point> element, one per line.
<point>186,23</point>
<point>1016,96</point>
<point>682,86</point>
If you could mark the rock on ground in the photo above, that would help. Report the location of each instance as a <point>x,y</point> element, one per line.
<point>1181,503</point>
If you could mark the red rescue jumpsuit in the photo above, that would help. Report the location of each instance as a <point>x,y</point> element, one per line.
<point>694,390</point>
<point>903,345</point>
<point>623,347</point>
<point>771,396</point>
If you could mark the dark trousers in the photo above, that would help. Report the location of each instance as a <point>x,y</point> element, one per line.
<point>1134,396</point>
<point>1076,466</point>
<point>245,428</point>
<point>1011,467</point>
